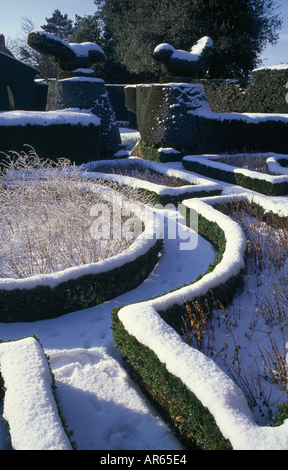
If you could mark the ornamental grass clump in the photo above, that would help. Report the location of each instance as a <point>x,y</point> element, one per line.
<point>45,217</point>
<point>142,172</point>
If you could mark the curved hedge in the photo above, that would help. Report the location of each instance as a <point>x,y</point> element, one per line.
<point>197,426</point>
<point>161,194</point>
<point>50,296</point>
<point>202,401</point>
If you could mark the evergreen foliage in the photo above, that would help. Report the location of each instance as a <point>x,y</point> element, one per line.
<point>240,30</point>
<point>59,25</point>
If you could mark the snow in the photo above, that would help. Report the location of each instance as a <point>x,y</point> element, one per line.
<point>90,71</point>
<point>209,161</point>
<point>73,116</point>
<point>29,405</point>
<point>272,67</point>
<point>201,44</point>
<point>81,50</point>
<point>199,183</point>
<point>98,399</point>
<point>168,150</point>
<point>248,117</point>
<point>140,246</point>
<point>192,56</point>
<point>83,79</point>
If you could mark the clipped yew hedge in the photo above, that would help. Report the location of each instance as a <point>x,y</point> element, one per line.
<point>45,302</point>
<point>263,186</point>
<point>78,143</point>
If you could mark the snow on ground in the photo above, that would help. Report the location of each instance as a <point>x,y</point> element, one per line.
<point>100,402</point>
<point>98,399</point>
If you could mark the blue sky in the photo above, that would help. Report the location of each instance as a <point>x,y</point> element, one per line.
<point>38,10</point>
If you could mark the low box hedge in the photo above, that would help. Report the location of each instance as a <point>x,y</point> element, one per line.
<point>154,358</point>
<point>39,357</point>
<point>160,193</point>
<point>195,425</point>
<point>44,302</point>
<point>264,184</point>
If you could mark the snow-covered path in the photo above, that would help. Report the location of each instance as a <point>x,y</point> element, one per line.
<point>99,401</point>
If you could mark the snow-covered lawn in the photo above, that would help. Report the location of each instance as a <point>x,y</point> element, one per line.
<point>99,401</point>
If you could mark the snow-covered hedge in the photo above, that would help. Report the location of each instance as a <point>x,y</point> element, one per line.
<point>204,402</point>
<point>30,404</point>
<point>196,186</point>
<point>256,181</point>
<point>69,133</point>
<point>51,295</point>
<point>233,132</point>
<point>274,163</point>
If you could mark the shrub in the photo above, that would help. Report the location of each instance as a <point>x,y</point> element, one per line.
<point>268,185</point>
<point>267,92</point>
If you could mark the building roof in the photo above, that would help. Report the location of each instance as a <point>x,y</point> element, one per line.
<point>12,58</point>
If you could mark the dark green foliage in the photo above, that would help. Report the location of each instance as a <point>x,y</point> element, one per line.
<point>117,99</point>
<point>282,414</point>
<point>130,98</point>
<point>267,93</point>
<point>240,30</point>
<point>168,199</point>
<point>78,143</point>
<point>236,136</point>
<point>146,153</point>
<point>43,302</point>
<point>91,96</point>
<point>259,185</point>
<point>87,29</point>
<point>224,96</point>
<point>59,25</point>
<point>142,94</point>
<point>167,121</point>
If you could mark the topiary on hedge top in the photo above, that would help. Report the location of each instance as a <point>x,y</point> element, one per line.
<point>88,94</point>
<point>181,63</point>
<point>66,57</point>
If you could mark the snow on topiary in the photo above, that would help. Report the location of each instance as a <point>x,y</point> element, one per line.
<point>183,63</point>
<point>66,57</point>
